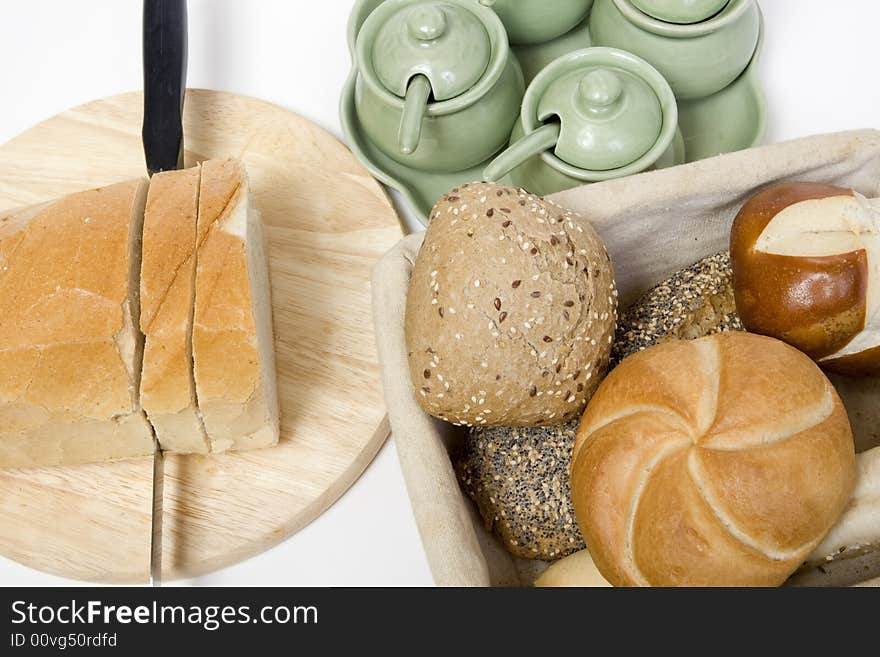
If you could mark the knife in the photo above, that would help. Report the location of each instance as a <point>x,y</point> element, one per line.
<point>165,52</point>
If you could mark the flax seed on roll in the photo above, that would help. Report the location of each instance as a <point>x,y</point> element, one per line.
<point>511,310</point>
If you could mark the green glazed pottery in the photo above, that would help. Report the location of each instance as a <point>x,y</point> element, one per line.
<point>538,21</point>
<point>541,179</point>
<point>683,12</point>
<point>438,87</point>
<point>591,115</point>
<point>535,57</point>
<point>697,59</point>
<point>741,105</point>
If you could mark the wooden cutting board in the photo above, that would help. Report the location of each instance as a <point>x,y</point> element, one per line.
<point>327,221</point>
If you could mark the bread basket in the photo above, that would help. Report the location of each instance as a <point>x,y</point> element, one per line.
<point>654,224</point>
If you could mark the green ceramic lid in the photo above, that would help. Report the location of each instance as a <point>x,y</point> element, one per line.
<point>444,42</point>
<point>683,12</point>
<point>608,117</point>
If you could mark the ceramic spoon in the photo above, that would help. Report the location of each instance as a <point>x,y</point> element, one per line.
<point>532,144</point>
<point>418,92</point>
<point>425,25</point>
<point>606,119</point>
<point>431,51</point>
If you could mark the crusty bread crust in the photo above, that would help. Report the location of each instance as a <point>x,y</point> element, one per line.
<point>232,344</point>
<point>70,350</point>
<point>718,462</point>
<point>167,285</point>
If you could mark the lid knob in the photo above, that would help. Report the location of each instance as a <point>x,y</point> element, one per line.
<point>608,116</point>
<point>600,89</point>
<point>427,22</point>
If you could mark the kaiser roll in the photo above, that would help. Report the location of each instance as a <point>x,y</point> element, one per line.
<point>510,312</point>
<point>717,462</point>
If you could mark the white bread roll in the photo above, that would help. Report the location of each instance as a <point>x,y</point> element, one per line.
<point>718,462</point>
<point>70,349</point>
<point>859,526</point>
<point>233,350</point>
<point>167,292</point>
<point>576,570</point>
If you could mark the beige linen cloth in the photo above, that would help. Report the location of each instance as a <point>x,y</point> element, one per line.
<point>654,224</point>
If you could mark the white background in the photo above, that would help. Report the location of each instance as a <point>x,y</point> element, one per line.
<point>820,69</point>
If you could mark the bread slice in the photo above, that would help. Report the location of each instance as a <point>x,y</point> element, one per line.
<point>70,348</point>
<point>167,288</point>
<point>233,351</point>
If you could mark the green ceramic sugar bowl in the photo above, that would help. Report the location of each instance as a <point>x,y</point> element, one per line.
<point>437,87</point>
<point>699,46</point>
<point>537,21</point>
<point>591,115</point>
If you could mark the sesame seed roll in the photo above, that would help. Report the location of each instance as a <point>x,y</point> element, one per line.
<point>511,310</point>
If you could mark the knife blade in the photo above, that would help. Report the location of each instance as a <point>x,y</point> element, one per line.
<point>165,60</point>
<point>156,515</point>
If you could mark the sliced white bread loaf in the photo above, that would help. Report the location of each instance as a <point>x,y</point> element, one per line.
<point>233,350</point>
<point>167,290</point>
<point>70,348</point>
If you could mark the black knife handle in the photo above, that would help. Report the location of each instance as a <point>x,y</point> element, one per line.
<point>165,51</point>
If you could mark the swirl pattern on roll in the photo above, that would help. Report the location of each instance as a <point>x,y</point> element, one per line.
<point>722,461</point>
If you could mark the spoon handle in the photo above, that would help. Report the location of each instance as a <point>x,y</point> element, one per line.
<point>534,143</point>
<point>414,107</point>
